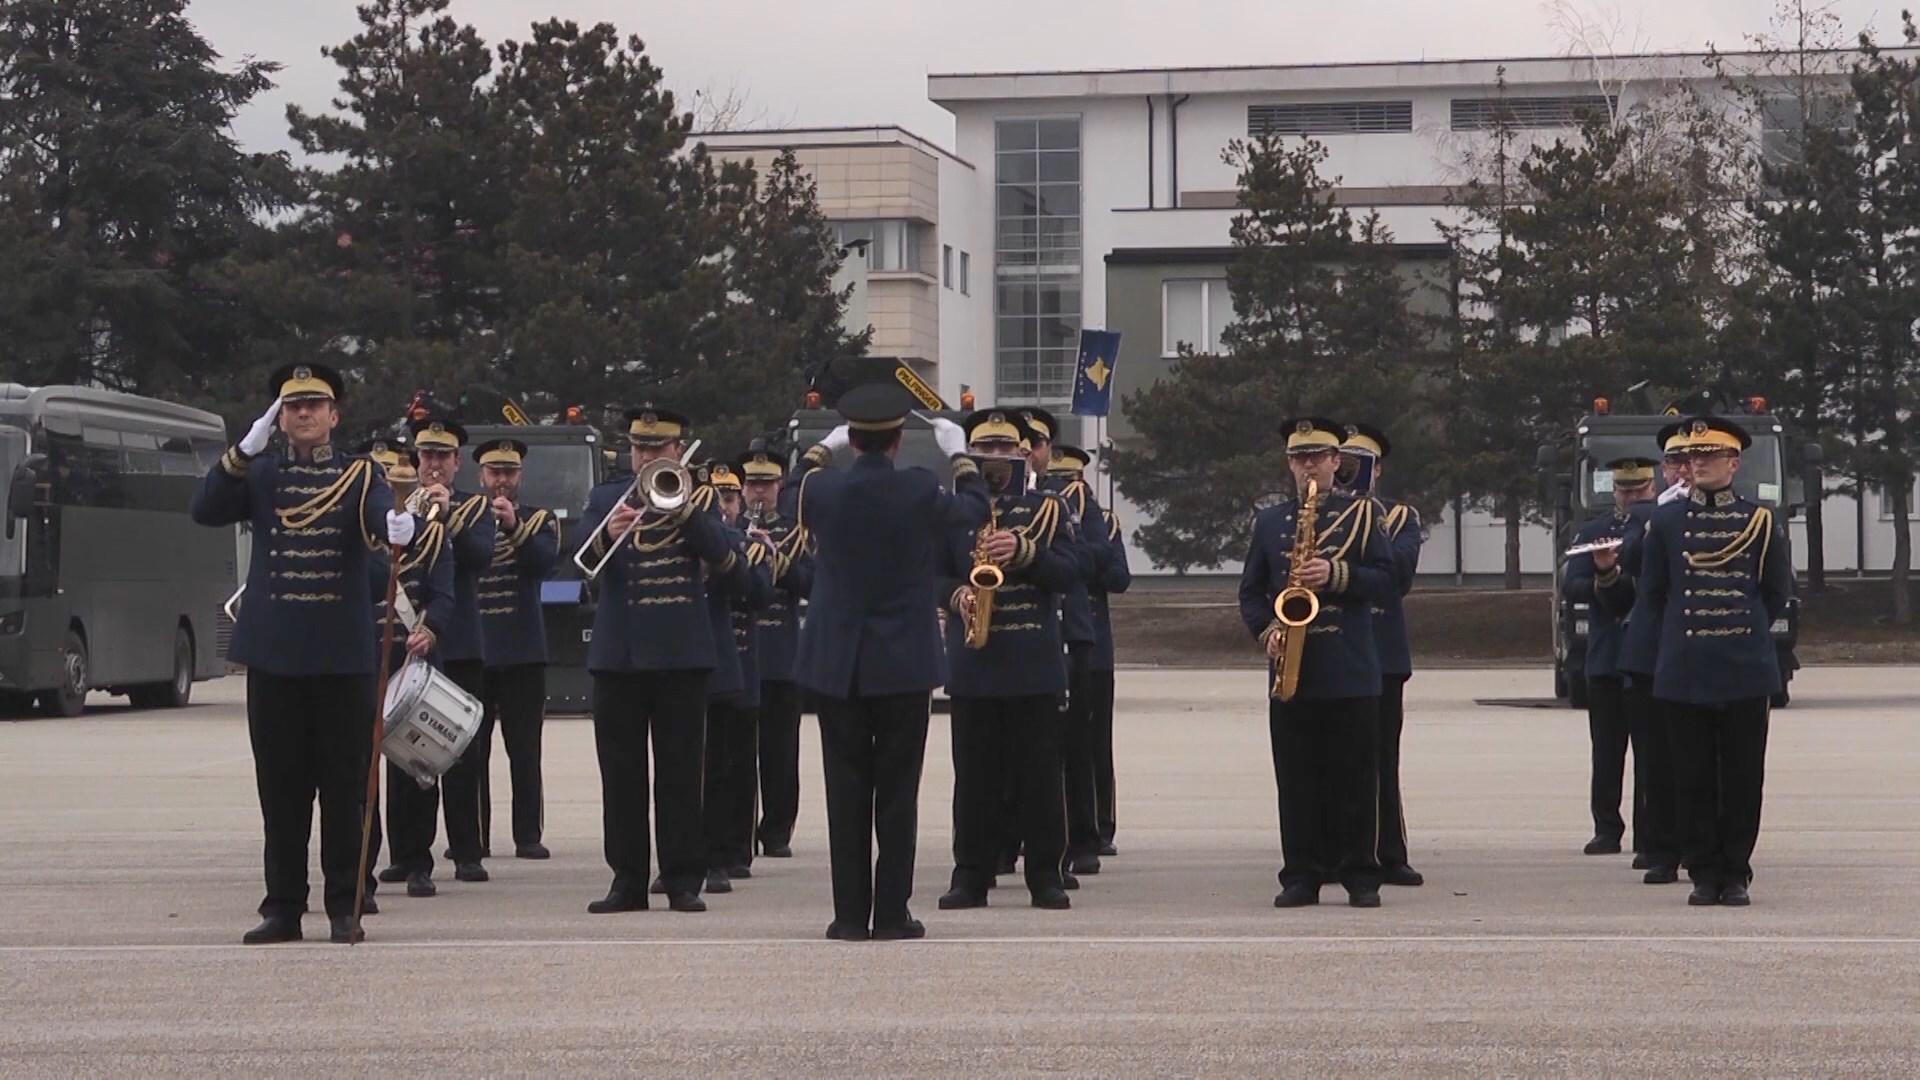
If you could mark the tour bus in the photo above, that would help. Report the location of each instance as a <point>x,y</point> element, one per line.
<point>106,583</point>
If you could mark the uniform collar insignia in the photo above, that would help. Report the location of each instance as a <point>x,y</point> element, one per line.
<point>323,454</point>
<point>1724,498</point>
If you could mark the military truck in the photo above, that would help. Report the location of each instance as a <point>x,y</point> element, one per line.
<point>1777,471</point>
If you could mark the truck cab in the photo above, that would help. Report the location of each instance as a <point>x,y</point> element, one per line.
<point>1576,485</point>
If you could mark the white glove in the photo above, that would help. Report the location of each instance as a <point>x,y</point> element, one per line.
<point>1678,491</point>
<point>255,440</point>
<point>399,528</point>
<point>837,439</point>
<point>951,436</point>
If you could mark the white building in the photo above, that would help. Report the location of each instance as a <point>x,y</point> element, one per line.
<point>1110,202</point>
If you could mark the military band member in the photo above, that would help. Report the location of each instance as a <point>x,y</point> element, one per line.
<point>870,647</point>
<point>1111,576</point>
<point>1006,693</point>
<point>1326,739</point>
<point>779,628</point>
<point>1715,572</point>
<point>470,532</point>
<point>733,690</point>
<point>526,548</point>
<point>653,647</point>
<point>1655,837</point>
<point>1365,452</point>
<point>305,636</point>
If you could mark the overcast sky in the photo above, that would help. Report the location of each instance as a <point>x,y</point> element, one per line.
<point>840,62</point>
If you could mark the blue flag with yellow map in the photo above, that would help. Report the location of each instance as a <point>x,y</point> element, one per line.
<point>1093,377</point>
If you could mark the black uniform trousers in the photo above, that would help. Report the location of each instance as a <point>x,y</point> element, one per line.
<point>1392,850</point>
<point>733,735</point>
<point>1106,814</point>
<point>992,737</point>
<point>1325,755</point>
<point>1720,759</point>
<point>779,762</point>
<point>872,749</point>
<point>460,787</point>
<point>516,703</point>
<point>1083,801</point>
<point>1655,800</point>
<point>311,736</point>
<point>671,707</point>
<point>1608,731</point>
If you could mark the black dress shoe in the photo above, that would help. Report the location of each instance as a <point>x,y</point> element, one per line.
<point>659,886</point>
<point>617,901</point>
<point>1402,875</point>
<point>1601,845</point>
<point>686,901</point>
<point>532,851</point>
<point>911,930</point>
<point>740,873</point>
<point>1704,895</point>
<point>1084,864</point>
<point>1069,882</point>
<point>718,882</point>
<point>1052,899</point>
<point>1364,898</point>
<point>957,899</point>
<point>420,884</point>
<point>470,871</point>
<point>839,931</point>
<point>273,930</point>
<point>1641,862</point>
<point>1662,875</point>
<point>393,875</point>
<point>1735,895</point>
<point>777,851</point>
<point>369,906</point>
<point>1108,851</point>
<point>1004,866</point>
<point>1297,896</point>
<point>343,932</point>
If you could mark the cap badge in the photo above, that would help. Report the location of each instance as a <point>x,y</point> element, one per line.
<point>1699,427</point>
<point>303,372</point>
<point>1304,427</point>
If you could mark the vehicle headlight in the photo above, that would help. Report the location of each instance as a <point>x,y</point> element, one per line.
<point>1779,626</point>
<point>1580,627</point>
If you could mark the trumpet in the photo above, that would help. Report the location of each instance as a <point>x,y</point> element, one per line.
<point>662,486</point>
<point>1597,545</point>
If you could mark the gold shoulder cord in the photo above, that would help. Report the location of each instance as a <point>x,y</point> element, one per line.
<point>425,547</point>
<point>1759,527</point>
<point>1113,525</point>
<point>468,513</point>
<point>511,543</point>
<point>1396,519</point>
<point>1040,528</point>
<point>304,515</point>
<point>1362,511</point>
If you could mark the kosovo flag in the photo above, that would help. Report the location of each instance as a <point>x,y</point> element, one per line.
<point>1093,381</point>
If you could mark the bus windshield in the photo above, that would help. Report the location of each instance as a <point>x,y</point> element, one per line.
<point>1759,477</point>
<point>558,476</point>
<point>13,532</point>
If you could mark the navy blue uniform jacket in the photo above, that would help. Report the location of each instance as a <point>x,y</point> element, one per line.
<point>1341,660</point>
<point>511,620</point>
<point>652,613</point>
<point>1716,609</point>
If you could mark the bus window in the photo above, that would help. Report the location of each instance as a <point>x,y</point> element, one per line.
<point>104,466</point>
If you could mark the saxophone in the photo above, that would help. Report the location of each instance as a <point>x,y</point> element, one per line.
<point>984,578</point>
<point>1296,606</point>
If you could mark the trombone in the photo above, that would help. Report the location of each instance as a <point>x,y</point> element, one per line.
<point>662,486</point>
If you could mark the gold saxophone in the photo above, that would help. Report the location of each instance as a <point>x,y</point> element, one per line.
<point>985,577</point>
<point>1296,606</point>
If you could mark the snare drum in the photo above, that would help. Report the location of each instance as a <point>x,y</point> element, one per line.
<point>429,722</point>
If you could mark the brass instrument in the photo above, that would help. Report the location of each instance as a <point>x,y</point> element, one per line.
<point>1297,606</point>
<point>984,578</point>
<point>662,486</point>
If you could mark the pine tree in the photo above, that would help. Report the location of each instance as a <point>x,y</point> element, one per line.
<point>121,192</point>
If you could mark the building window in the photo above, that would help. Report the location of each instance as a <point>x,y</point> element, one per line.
<point>946,265</point>
<point>1482,114</point>
<point>1784,120</point>
<point>1194,313</point>
<point>966,273</point>
<point>1037,258</point>
<point>891,245</point>
<point>1330,118</point>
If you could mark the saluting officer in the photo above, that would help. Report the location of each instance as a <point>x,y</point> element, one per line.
<point>779,628</point>
<point>1365,453</point>
<point>653,647</point>
<point>1326,740</point>
<point>526,548</point>
<point>733,690</point>
<point>305,635</point>
<point>1111,576</point>
<point>1656,841</point>
<point>1006,693</point>
<point>870,646</point>
<point>1716,573</point>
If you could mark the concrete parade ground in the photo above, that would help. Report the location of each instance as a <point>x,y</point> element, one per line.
<point>130,866</point>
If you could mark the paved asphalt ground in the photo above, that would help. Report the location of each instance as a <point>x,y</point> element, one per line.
<point>129,866</point>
